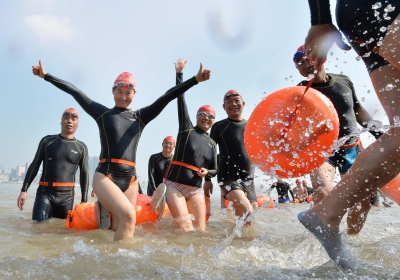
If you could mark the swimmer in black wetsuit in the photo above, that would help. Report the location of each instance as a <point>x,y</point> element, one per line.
<point>235,169</point>
<point>159,163</point>
<point>380,162</point>
<point>120,128</point>
<point>61,155</point>
<point>283,190</point>
<point>195,158</point>
<point>340,90</point>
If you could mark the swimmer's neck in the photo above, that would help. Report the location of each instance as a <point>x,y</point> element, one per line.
<point>68,136</point>
<point>166,154</point>
<point>321,77</point>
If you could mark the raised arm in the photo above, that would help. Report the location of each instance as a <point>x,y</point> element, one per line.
<point>147,114</point>
<point>91,107</point>
<point>322,33</point>
<point>84,174</point>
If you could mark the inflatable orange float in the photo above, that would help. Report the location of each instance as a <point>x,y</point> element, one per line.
<point>290,133</point>
<point>84,215</point>
<point>392,189</point>
<point>262,201</point>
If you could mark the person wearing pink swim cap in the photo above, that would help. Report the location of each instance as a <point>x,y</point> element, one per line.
<point>195,158</point>
<point>300,192</point>
<point>61,155</point>
<point>159,163</point>
<point>115,182</point>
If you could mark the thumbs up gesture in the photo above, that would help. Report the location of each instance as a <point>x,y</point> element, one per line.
<point>38,70</point>
<point>203,75</point>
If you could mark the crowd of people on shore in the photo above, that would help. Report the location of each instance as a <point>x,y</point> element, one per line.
<point>183,177</point>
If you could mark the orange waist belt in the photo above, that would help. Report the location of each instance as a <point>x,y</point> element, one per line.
<point>120,161</point>
<point>348,146</point>
<point>194,168</point>
<point>56,184</point>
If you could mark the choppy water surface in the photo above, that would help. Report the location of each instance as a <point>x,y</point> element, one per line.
<point>276,247</point>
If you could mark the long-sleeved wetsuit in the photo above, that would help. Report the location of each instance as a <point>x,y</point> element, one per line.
<point>120,129</point>
<point>158,166</point>
<point>235,169</point>
<point>363,22</point>
<point>282,189</point>
<point>193,147</point>
<point>61,158</point>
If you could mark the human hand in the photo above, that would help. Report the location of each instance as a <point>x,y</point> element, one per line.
<point>38,70</point>
<point>203,75</point>
<point>179,65</point>
<point>208,188</point>
<point>319,40</point>
<point>21,200</point>
<point>202,172</point>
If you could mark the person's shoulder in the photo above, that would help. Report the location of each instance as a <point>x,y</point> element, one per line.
<point>81,142</point>
<point>155,155</point>
<point>218,123</point>
<point>48,138</point>
<point>302,83</point>
<point>340,77</point>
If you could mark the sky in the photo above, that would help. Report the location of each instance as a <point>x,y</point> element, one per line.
<point>247,45</point>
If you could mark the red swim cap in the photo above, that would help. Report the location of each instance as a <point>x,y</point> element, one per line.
<point>298,181</point>
<point>170,139</point>
<point>208,109</point>
<point>71,111</point>
<point>232,92</point>
<point>304,182</point>
<point>125,79</point>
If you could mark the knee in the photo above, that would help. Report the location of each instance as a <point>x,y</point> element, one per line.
<point>128,216</point>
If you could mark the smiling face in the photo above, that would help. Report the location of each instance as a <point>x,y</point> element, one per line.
<point>123,96</point>
<point>168,146</point>
<point>204,122</point>
<point>233,107</point>
<point>69,124</point>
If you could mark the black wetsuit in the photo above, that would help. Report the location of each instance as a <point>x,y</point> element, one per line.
<point>61,158</point>
<point>120,129</point>
<point>193,147</point>
<point>282,189</point>
<point>158,166</point>
<point>358,22</point>
<point>310,190</point>
<point>340,91</point>
<point>235,169</point>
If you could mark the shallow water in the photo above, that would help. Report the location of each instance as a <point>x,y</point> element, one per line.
<point>275,247</point>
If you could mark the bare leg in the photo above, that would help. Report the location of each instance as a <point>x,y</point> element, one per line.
<point>322,181</point>
<point>241,204</point>
<point>358,215</point>
<point>121,205</point>
<point>196,206</point>
<point>179,209</point>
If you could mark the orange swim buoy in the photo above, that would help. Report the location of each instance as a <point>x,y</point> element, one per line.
<point>392,189</point>
<point>84,215</point>
<point>287,144</point>
<point>262,201</point>
<point>309,198</point>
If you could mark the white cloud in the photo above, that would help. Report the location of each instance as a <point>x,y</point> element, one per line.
<point>50,28</point>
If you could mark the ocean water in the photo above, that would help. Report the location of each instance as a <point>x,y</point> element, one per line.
<point>276,247</point>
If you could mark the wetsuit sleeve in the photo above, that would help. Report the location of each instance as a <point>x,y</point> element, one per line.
<point>290,190</point>
<point>183,114</point>
<point>212,168</point>
<point>84,174</point>
<point>91,107</point>
<point>34,166</point>
<point>362,116</point>
<point>320,12</point>
<point>152,185</point>
<point>147,114</point>
<point>272,186</point>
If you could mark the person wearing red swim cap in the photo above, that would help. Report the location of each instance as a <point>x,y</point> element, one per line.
<point>115,182</point>
<point>195,158</point>
<point>159,163</point>
<point>235,169</point>
<point>61,155</point>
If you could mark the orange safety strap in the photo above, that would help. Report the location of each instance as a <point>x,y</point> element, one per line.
<point>56,184</point>
<point>194,168</point>
<point>120,161</point>
<point>348,146</point>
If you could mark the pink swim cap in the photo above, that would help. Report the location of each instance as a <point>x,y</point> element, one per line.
<point>125,79</point>
<point>170,139</point>
<point>208,109</point>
